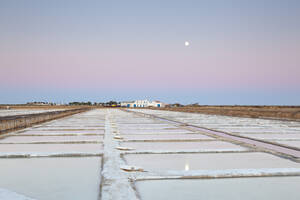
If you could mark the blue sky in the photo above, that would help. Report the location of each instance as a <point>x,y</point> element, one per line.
<point>241,52</point>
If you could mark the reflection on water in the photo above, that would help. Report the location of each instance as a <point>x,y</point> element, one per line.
<point>275,188</point>
<point>186,167</point>
<point>208,161</point>
<point>182,145</point>
<point>52,178</point>
<point>61,148</point>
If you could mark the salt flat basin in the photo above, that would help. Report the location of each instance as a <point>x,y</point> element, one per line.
<point>155,131</point>
<point>55,148</point>
<point>290,143</point>
<point>62,128</point>
<point>41,132</point>
<point>208,161</point>
<point>273,136</point>
<point>145,126</point>
<point>77,126</point>
<point>230,124</point>
<point>131,119</point>
<point>25,139</point>
<point>257,131</point>
<point>85,123</point>
<point>259,188</point>
<point>63,131</point>
<point>166,136</point>
<point>261,131</point>
<point>182,145</point>
<point>25,111</point>
<point>52,178</point>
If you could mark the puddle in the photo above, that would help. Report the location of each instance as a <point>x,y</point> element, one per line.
<point>181,145</point>
<point>61,148</point>
<point>262,188</point>
<point>25,139</point>
<point>208,161</point>
<point>52,178</point>
<point>166,136</point>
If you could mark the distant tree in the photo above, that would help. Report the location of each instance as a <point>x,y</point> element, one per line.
<point>176,105</point>
<point>80,103</point>
<point>194,104</point>
<point>110,103</point>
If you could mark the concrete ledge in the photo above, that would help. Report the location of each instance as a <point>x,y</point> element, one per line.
<point>9,123</point>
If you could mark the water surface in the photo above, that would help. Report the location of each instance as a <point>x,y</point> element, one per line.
<point>52,178</point>
<point>273,188</point>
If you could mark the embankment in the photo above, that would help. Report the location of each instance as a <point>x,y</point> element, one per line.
<point>9,123</point>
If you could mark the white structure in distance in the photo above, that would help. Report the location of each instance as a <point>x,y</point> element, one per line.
<point>142,104</point>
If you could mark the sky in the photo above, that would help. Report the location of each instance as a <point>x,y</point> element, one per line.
<point>241,52</point>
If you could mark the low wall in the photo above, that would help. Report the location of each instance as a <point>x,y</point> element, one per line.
<point>9,123</point>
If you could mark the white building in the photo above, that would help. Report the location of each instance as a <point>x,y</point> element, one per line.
<point>156,104</point>
<point>142,104</point>
<point>127,104</point>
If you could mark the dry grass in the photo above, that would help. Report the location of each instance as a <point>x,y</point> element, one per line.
<point>273,112</point>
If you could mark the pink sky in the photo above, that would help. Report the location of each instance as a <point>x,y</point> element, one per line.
<point>235,45</point>
<point>196,66</point>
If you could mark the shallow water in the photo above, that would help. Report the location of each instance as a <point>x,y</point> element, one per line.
<point>25,139</point>
<point>275,188</point>
<point>155,131</point>
<point>166,136</point>
<point>181,145</point>
<point>144,126</point>
<point>77,123</point>
<point>62,132</point>
<point>24,111</point>
<point>67,128</point>
<point>55,148</point>
<point>261,131</point>
<point>231,124</point>
<point>208,161</point>
<point>52,178</point>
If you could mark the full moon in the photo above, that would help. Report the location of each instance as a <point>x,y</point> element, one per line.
<point>186,43</point>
